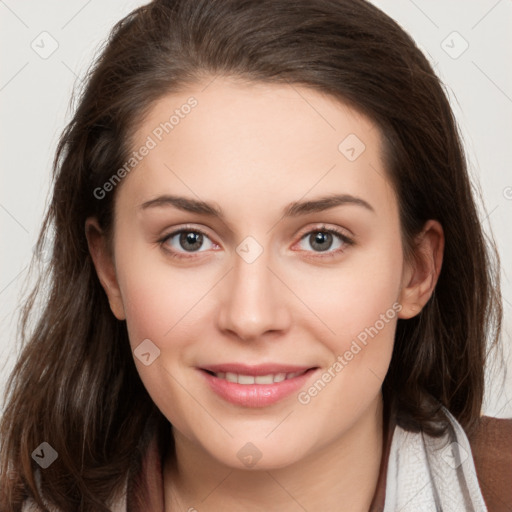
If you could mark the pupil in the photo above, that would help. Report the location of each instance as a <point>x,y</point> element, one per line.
<point>320,238</point>
<point>194,239</point>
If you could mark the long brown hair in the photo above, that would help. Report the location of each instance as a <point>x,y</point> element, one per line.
<point>75,384</point>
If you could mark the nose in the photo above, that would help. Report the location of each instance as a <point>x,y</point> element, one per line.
<point>254,300</point>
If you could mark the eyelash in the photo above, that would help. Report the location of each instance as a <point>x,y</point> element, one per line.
<point>321,229</point>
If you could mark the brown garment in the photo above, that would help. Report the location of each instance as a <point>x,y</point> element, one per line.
<point>491,445</point>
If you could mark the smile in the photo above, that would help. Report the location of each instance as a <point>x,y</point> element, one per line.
<point>258,386</point>
<point>257,379</point>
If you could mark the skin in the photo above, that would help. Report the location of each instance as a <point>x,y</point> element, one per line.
<point>252,149</point>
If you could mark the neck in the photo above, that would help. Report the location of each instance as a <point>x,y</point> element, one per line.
<point>342,476</point>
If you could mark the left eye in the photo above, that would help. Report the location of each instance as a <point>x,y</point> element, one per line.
<point>186,237</point>
<point>322,239</point>
<point>191,240</point>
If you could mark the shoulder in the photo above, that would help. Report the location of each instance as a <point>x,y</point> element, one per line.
<point>491,446</point>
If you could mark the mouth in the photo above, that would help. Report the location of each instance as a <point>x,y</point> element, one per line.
<point>244,379</point>
<point>255,386</point>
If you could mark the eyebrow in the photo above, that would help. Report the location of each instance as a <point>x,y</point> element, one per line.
<point>294,209</point>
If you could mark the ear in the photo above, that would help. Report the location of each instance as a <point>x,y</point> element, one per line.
<point>104,264</point>
<point>421,274</point>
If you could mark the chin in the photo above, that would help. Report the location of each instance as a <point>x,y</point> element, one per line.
<point>255,456</point>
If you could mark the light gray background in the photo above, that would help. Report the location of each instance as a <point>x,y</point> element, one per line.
<point>35,97</point>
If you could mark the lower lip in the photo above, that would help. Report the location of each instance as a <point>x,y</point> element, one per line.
<point>255,395</point>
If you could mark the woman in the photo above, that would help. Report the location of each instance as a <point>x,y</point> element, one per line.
<point>322,344</point>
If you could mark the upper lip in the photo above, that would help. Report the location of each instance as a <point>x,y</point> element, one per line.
<point>260,369</point>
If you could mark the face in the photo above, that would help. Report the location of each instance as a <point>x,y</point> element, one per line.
<point>264,330</point>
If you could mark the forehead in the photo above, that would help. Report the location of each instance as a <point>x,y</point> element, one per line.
<point>254,144</point>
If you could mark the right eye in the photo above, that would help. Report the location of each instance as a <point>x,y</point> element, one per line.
<point>184,238</point>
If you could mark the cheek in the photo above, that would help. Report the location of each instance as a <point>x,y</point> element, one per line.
<point>361,310</point>
<point>358,299</point>
<point>359,305</point>
<point>156,295</point>
<point>163,304</point>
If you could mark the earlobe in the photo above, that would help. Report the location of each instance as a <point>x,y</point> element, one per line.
<point>421,275</point>
<point>104,265</point>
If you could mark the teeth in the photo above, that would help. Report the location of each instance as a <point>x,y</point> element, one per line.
<point>231,377</point>
<point>258,379</point>
<point>263,379</point>
<point>245,379</point>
